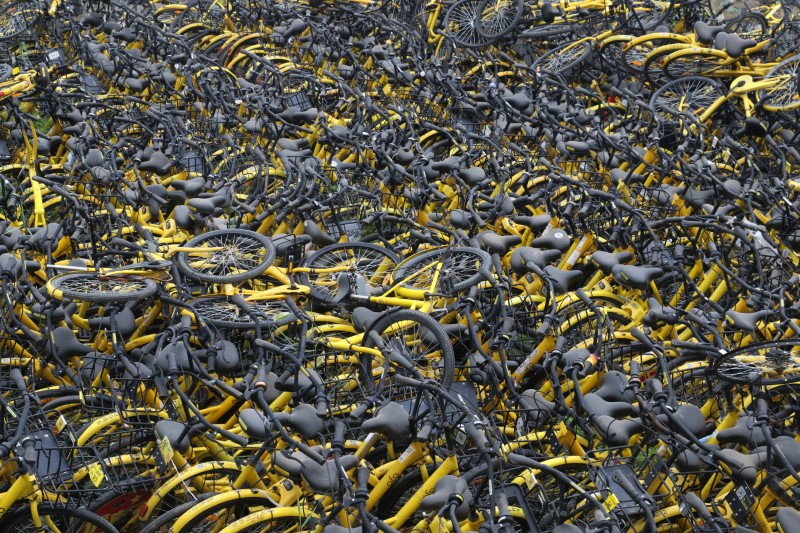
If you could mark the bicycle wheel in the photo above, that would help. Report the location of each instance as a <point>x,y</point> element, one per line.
<point>212,515</point>
<point>460,23</point>
<point>785,94</point>
<point>496,18</point>
<point>749,26</point>
<point>91,287</point>
<point>232,256</point>
<point>16,18</point>
<point>222,312</point>
<point>282,519</point>
<point>564,57</point>
<point>649,14</point>
<point>358,261</point>
<point>415,336</point>
<point>164,520</point>
<point>768,363</point>
<point>694,62</point>
<point>56,520</point>
<point>460,269</point>
<point>691,95</point>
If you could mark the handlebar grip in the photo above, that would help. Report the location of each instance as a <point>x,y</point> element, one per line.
<point>634,368</point>
<point>30,454</point>
<point>478,436</point>
<point>362,477</point>
<point>762,411</point>
<point>424,434</point>
<point>640,336</point>
<point>310,453</point>
<point>694,501</point>
<point>359,412</point>
<point>18,379</point>
<point>260,379</point>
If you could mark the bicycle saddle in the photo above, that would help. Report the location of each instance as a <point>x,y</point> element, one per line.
<point>536,223</point>
<point>325,478</point>
<point>606,261</point>
<point>705,32</point>
<point>537,410</point>
<point>207,206</point>
<point>302,419</point>
<point>391,421</point>
<point>614,387</point>
<point>295,115</point>
<point>744,432</point>
<point>747,321</point>
<point>318,236</point>
<point>136,85</point>
<point>735,45</point>
<point>690,461</point>
<point>65,344</point>
<point>556,240</point>
<point>445,487</point>
<point>157,162</point>
<point>788,520</point>
<point>191,187</point>
<point>292,462</point>
<point>638,277</point>
<point>623,176</point>
<point>744,467</point>
<point>688,417</point>
<point>472,176</point>
<point>565,280</point>
<point>362,318</point>
<point>293,145</point>
<point>461,219</point>
<point>526,255</point>
<point>789,447</point>
<point>616,432</point>
<point>179,434</point>
<point>697,198</point>
<point>595,405</point>
<point>10,266</point>
<point>498,244</point>
<point>446,165</point>
<point>254,423</point>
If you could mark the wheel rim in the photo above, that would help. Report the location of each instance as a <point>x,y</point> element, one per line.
<point>238,254</point>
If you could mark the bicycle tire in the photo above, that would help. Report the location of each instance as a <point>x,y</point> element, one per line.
<point>16,18</point>
<point>786,96</point>
<point>91,287</point>
<point>693,62</point>
<point>276,521</point>
<point>497,18</point>
<point>564,58</point>
<point>255,251</point>
<point>369,260</point>
<point>465,271</point>
<point>692,94</point>
<point>749,25</point>
<point>728,367</point>
<point>222,312</point>
<point>409,331</point>
<point>209,513</point>
<point>66,520</point>
<point>164,521</point>
<point>459,24</point>
<point>649,14</point>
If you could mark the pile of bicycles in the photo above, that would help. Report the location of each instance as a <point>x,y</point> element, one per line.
<point>452,266</point>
